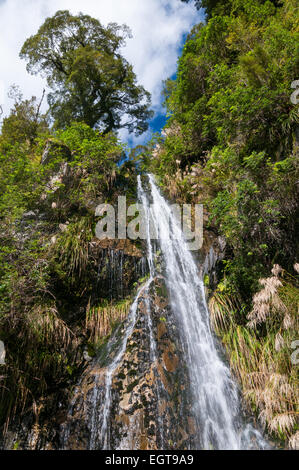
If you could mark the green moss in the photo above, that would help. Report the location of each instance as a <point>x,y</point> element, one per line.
<point>161,291</point>
<point>91,350</point>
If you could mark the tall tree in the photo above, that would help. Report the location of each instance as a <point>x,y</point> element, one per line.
<point>90,80</point>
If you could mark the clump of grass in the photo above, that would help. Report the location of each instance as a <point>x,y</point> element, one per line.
<point>221,308</point>
<point>45,325</point>
<point>100,320</point>
<point>260,352</point>
<point>268,304</point>
<point>71,249</point>
<point>49,352</point>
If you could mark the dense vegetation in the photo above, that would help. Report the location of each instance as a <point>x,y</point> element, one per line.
<point>48,275</point>
<point>231,143</point>
<point>55,168</point>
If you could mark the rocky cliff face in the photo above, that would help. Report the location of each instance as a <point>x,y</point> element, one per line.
<point>149,404</point>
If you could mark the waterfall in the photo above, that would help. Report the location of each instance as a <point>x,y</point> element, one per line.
<point>151,264</point>
<point>144,290</point>
<point>216,404</point>
<point>210,395</point>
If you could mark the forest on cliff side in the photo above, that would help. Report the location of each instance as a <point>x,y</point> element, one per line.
<point>230,143</point>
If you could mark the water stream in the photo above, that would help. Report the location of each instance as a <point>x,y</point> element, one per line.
<point>215,398</point>
<point>103,432</point>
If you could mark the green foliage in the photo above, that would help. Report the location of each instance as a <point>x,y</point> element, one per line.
<point>212,6</point>
<point>222,7</point>
<point>254,203</point>
<point>230,141</point>
<point>47,221</point>
<point>19,181</point>
<point>24,123</point>
<point>71,248</point>
<point>91,81</point>
<point>235,75</point>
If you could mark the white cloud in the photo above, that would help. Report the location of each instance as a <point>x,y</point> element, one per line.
<point>158,27</point>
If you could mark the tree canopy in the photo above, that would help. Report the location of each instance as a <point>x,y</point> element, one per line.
<point>223,7</point>
<point>209,5</point>
<point>90,80</point>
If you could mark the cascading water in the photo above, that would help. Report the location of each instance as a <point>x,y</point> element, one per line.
<point>104,430</point>
<point>100,435</point>
<point>150,259</point>
<point>216,404</point>
<point>208,398</point>
<point>100,432</point>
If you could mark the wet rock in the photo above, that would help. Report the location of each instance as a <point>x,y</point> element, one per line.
<point>149,403</point>
<point>117,265</point>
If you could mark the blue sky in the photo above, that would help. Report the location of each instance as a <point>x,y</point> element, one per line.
<point>159,29</point>
<point>158,122</point>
